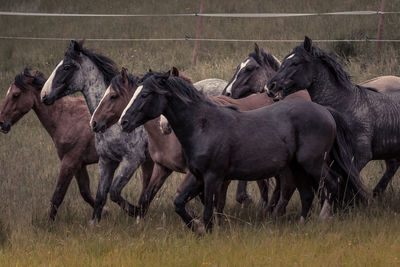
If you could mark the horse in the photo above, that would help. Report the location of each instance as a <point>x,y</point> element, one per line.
<point>251,74</point>
<point>67,124</point>
<point>251,77</point>
<point>291,136</point>
<point>90,73</point>
<point>165,150</point>
<point>372,116</point>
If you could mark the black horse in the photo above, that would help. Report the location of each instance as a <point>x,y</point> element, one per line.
<point>290,138</point>
<point>372,117</point>
<point>251,74</point>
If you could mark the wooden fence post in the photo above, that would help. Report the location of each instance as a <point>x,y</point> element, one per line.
<point>198,31</point>
<point>380,29</point>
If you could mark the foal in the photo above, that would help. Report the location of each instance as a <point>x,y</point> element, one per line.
<point>291,136</point>
<point>67,122</point>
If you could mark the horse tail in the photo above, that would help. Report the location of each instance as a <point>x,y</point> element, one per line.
<point>350,189</point>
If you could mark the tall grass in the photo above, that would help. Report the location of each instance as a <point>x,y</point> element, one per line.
<point>29,163</point>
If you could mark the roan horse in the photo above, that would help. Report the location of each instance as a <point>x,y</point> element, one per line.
<point>251,77</point>
<point>67,124</point>
<point>165,150</point>
<point>371,116</point>
<point>89,72</point>
<point>291,136</point>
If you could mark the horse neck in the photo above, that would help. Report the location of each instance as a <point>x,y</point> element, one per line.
<point>92,84</point>
<point>48,115</point>
<point>183,117</point>
<point>328,91</point>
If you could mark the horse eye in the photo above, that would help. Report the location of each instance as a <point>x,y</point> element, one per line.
<point>114,96</point>
<point>66,67</point>
<point>145,95</point>
<point>15,95</point>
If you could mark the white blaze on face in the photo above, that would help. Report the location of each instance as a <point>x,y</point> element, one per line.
<point>47,86</point>
<point>8,92</point>
<point>104,96</point>
<point>242,65</point>
<point>289,57</point>
<point>137,92</point>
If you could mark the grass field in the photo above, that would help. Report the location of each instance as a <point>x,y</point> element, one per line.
<point>29,163</point>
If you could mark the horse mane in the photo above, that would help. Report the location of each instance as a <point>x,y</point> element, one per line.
<point>118,84</point>
<point>150,73</point>
<point>266,59</point>
<point>38,79</point>
<point>106,65</point>
<point>185,91</point>
<point>186,78</point>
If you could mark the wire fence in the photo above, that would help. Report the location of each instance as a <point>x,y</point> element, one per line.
<point>215,15</point>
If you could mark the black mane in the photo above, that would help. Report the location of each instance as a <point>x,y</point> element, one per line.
<point>331,61</point>
<point>38,79</point>
<point>106,65</point>
<point>265,59</point>
<point>118,84</point>
<point>179,87</point>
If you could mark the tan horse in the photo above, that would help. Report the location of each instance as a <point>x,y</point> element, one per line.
<point>67,122</point>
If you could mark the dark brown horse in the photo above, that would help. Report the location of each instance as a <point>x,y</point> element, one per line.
<point>289,137</point>
<point>165,150</point>
<point>67,122</point>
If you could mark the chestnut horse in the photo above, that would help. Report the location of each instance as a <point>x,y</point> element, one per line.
<point>67,122</point>
<point>165,150</point>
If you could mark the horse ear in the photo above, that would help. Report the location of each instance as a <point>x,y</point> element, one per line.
<point>124,75</point>
<point>175,72</point>
<point>307,44</point>
<point>150,70</point>
<point>256,49</point>
<point>76,46</point>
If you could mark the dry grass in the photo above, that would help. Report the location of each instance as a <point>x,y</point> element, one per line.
<point>29,164</point>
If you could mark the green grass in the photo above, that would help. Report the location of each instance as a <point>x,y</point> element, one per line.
<point>29,163</point>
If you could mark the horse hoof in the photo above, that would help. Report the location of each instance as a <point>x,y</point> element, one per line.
<point>199,229</point>
<point>325,211</point>
<point>105,212</point>
<point>92,223</point>
<point>302,220</point>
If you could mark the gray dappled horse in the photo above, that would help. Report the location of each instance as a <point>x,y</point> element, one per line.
<point>90,73</point>
<point>373,117</point>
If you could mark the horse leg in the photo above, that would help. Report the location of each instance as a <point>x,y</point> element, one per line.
<point>221,200</point>
<point>125,171</point>
<point>263,186</point>
<point>391,167</point>
<point>275,195</point>
<point>159,175</point>
<point>241,193</point>
<point>147,171</point>
<point>64,179</point>
<point>306,191</point>
<point>106,173</point>
<point>287,189</point>
<point>82,178</point>
<point>192,188</point>
<point>210,185</point>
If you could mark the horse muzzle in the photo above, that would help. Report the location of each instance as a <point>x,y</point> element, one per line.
<point>5,127</point>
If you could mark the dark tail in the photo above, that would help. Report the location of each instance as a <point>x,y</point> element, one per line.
<point>350,188</point>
